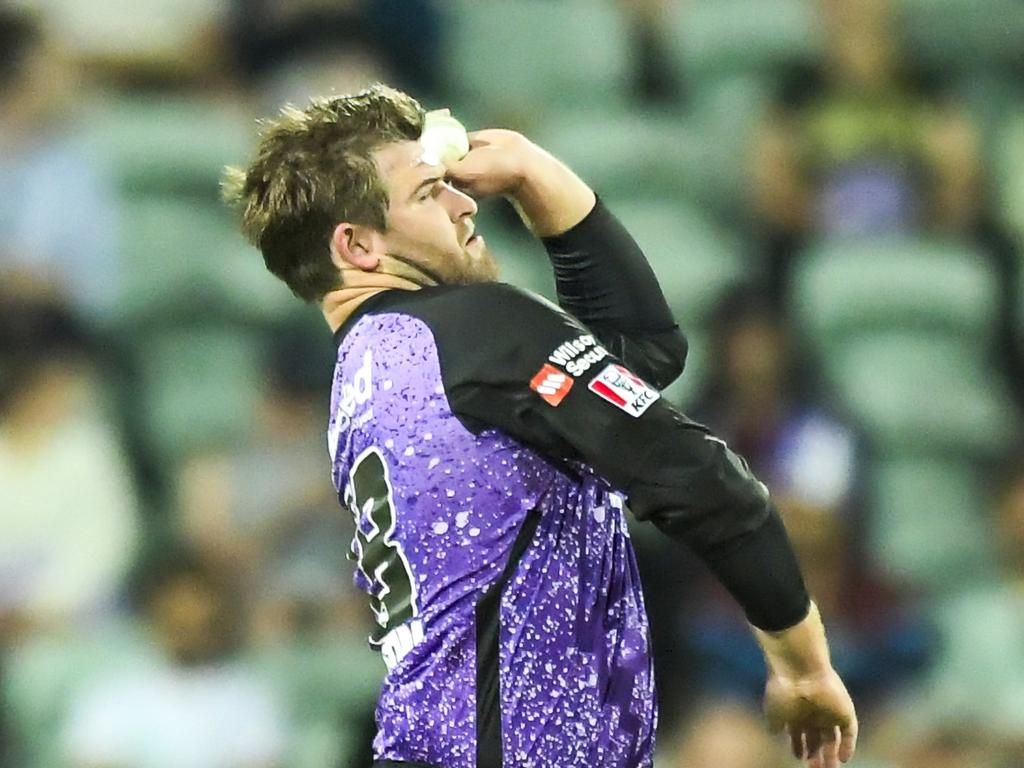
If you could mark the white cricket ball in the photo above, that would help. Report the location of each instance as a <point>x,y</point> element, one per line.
<point>444,138</point>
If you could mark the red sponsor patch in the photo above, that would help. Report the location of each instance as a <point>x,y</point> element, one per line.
<point>551,384</point>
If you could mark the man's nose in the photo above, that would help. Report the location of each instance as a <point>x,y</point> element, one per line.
<point>459,204</point>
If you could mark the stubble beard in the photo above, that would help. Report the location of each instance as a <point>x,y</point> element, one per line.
<point>482,267</point>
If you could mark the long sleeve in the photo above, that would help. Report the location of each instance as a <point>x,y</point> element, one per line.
<point>603,279</point>
<point>516,363</point>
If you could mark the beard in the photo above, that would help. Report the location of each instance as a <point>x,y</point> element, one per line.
<point>480,267</point>
<point>431,267</point>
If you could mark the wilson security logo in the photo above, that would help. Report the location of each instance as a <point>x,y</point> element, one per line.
<point>622,389</point>
<point>551,384</point>
<point>577,355</point>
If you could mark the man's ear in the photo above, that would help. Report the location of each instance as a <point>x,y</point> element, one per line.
<point>353,245</point>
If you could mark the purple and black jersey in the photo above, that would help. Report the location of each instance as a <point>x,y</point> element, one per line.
<point>487,443</point>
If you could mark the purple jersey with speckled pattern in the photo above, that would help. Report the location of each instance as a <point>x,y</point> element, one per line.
<point>438,508</point>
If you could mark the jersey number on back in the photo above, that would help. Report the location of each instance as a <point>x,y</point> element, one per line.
<point>370,498</point>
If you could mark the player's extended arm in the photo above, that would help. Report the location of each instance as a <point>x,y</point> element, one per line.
<point>601,275</point>
<point>504,360</point>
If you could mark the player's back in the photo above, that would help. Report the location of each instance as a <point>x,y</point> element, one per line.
<point>503,581</point>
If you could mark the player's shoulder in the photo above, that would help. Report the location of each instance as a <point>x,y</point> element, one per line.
<point>471,298</point>
<point>479,312</point>
<point>479,331</point>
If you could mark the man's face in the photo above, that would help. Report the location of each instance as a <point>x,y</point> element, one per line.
<point>430,223</point>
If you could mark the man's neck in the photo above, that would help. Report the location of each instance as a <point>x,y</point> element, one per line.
<point>358,286</point>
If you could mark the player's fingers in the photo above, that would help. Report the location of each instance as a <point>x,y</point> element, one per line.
<point>848,741</point>
<point>829,750</point>
<point>812,740</point>
<point>796,743</point>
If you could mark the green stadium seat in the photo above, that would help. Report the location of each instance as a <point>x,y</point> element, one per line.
<point>528,56</point>
<point>44,675</point>
<point>848,288</point>
<point>199,387</point>
<point>715,38</point>
<point>726,114</point>
<point>185,259</point>
<point>328,687</point>
<point>962,34</point>
<point>165,145</point>
<point>1010,176</point>
<point>629,153</point>
<point>929,522</point>
<point>694,259</point>
<point>922,393</point>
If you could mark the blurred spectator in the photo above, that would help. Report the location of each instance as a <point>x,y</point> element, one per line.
<point>956,741</point>
<point>980,675</point>
<point>268,507</point>
<point>68,526</point>
<point>761,394</point>
<point>726,735</point>
<point>191,706</point>
<point>142,42</point>
<point>655,79</point>
<point>59,218</point>
<point>313,47</point>
<point>863,145</point>
<point>762,401</point>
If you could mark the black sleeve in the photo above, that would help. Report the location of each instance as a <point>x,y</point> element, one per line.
<point>513,361</point>
<point>603,278</point>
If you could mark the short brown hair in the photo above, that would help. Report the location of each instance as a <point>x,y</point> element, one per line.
<point>313,169</point>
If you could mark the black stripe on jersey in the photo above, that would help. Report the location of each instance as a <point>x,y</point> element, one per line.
<point>489,753</point>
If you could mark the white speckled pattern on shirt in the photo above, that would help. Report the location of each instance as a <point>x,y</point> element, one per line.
<point>577,687</point>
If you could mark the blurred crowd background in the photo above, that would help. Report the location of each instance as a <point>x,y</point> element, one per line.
<point>832,193</point>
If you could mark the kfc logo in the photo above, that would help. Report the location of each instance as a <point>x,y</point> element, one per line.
<point>623,390</point>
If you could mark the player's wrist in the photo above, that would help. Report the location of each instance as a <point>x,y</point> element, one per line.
<point>550,196</point>
<point>801,651</point>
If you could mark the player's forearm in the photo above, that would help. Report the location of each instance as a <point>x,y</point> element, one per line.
<point>798,652</point>
<point>551,198</point>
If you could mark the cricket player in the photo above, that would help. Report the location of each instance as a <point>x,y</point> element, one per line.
<point>489,443</point>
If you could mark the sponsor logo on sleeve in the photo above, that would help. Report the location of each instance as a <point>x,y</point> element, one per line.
<point>577,355</point>
<point>623,390</point>
<point>551,384</point>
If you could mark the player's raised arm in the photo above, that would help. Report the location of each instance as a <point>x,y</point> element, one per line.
<point>601,275</point>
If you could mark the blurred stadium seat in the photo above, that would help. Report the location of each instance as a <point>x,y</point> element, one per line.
<point>964,35</point>
<point>715,38</point>
<point>694,259</point>
<point>43,677</point>
<point>535,55</point>
<point>917,393</point>
<point>849,288</point>
<point>1009,175</point>
<point>182,259</point>
<point>199,387</point>
<point>627,154</point>
<point>167,145</point>
<point>928,523</point>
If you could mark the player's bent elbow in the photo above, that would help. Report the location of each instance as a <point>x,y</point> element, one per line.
<point>665,356</point>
